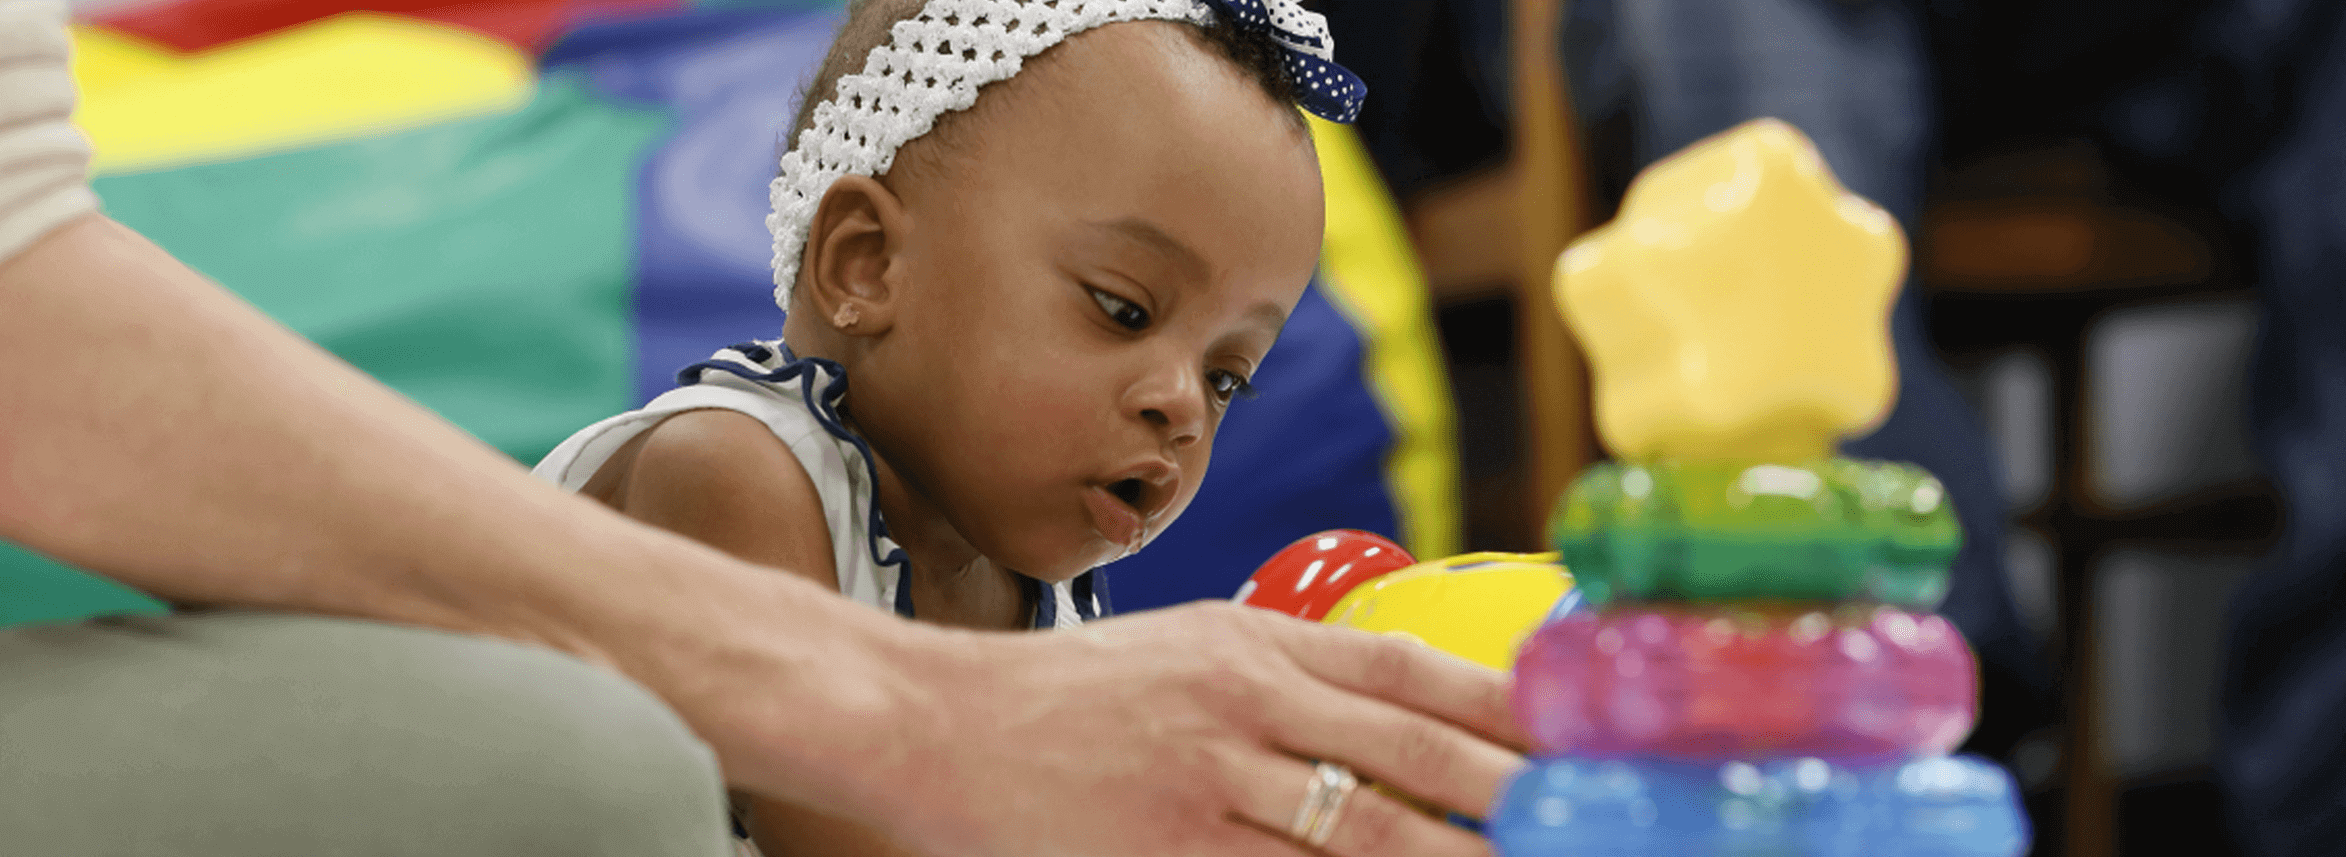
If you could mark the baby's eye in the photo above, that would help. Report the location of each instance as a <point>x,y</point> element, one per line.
<point>1124,313</point>
<point>1228,385</point>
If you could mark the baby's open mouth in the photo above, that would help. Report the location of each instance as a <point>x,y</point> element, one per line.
<point>1128,490</point>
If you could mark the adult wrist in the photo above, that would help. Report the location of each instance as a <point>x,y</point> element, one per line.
<point>805,696</point>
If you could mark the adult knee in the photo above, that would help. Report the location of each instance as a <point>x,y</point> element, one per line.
<point>260,734</point>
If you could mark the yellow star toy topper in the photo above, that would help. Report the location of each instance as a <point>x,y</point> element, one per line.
<point>1738,308</point>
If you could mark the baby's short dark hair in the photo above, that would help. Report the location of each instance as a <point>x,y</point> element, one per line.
<point>869,21</point>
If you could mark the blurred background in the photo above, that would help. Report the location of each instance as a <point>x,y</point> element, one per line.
<point>2083,304</point>
<point>529,213</point>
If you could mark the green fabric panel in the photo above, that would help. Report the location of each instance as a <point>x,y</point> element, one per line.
<point>482,267</point>
<point>34,589</point>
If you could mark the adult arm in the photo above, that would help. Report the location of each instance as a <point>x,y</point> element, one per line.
<point>157,429</point>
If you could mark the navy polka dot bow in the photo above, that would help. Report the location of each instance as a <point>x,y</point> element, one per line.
<point>1327,90</point>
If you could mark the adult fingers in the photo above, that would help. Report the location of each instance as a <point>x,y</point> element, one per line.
<point>1250,838</point>
<point>1427,758</point>
<point>1367,824</point>
<point>1407,673</point>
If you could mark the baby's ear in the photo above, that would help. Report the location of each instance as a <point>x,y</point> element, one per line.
<point>850,248</point>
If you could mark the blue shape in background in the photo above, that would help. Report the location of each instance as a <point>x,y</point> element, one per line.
<point>703,256</point>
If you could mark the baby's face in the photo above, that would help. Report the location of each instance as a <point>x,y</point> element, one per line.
<point>1099,265</point>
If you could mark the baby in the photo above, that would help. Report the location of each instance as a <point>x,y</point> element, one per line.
<point>1016,313</point>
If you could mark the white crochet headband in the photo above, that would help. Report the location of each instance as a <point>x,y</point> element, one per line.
<point>934,63</point>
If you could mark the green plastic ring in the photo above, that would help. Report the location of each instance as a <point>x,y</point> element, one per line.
<point>1837,530</point>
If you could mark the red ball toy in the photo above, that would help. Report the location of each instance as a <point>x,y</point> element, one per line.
<point>1308,577</point>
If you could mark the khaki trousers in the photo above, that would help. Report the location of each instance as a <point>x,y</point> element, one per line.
<point>255,735</point>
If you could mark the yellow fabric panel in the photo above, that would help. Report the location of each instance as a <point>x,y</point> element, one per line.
<point>348,76</point>
<point>104,60</point>
<point>1373,277</point>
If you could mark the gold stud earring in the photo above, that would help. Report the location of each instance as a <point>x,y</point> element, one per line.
<point>846,317</point>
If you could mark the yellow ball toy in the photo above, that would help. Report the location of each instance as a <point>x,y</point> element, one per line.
<point>1478,606</point>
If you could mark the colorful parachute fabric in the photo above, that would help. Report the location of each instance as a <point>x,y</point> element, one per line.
<point>526,242</point>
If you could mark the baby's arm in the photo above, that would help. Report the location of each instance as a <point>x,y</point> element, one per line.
<point>722,478</point>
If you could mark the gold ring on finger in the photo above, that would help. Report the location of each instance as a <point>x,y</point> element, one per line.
<point>1323,802</point>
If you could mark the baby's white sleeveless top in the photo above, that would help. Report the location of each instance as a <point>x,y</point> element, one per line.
<point>798,400</point>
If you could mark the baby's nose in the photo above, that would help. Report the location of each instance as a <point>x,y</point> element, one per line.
<point>1173,403</point>
<point>1164,421</point>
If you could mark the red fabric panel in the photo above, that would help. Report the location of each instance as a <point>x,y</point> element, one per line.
<point>530,25</point>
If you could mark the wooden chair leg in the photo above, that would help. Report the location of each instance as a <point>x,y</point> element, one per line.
<point>2089,816</point>
<point>1552,193</point>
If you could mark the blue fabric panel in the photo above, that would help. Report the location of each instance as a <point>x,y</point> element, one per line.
<point>703,256</point>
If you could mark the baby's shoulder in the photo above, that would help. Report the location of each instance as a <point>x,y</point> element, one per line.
<point>713,443</point>
<point>723,477</point>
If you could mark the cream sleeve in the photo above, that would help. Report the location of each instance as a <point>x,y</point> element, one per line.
<point>44,162</point>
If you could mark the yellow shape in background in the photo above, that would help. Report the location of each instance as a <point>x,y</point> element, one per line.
<point>348,76</point>
<point>1478,606</point>
<point>1738,308</point>
<point>1372,277</point>
<point>105,60</point>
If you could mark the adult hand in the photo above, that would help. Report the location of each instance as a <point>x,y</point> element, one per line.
<point>1180,732</point>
